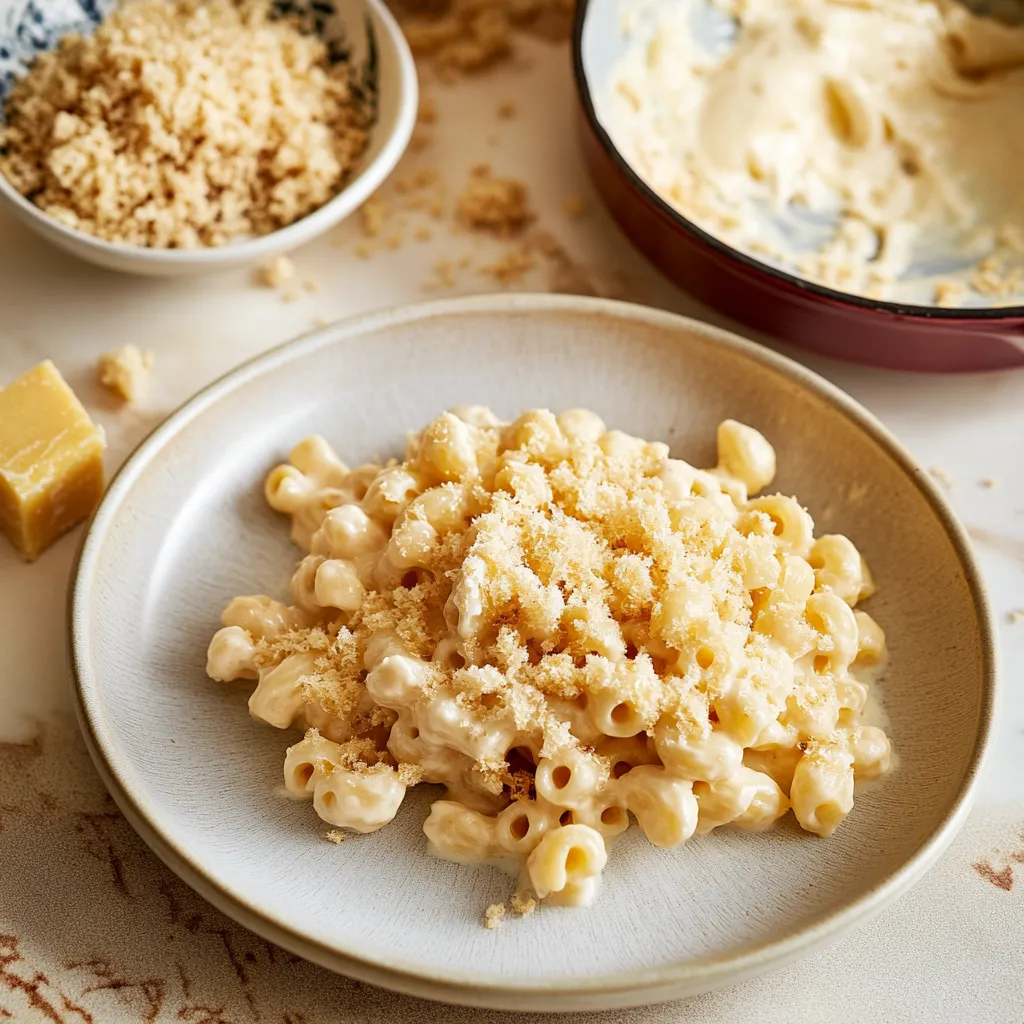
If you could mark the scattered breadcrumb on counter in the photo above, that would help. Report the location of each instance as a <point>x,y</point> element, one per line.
<point>125,372</point>
<point>320,321</point>
<point>506,110</point>
<point>511,267</point>
<point>421,138</point>
<point>941,476</point>
<point>183,125</point>
<point>1015,615</point>
<point>276,273</point>
<point>988,483</point>
<point>574,206</point>
<point>497,205</point>
<point>311,285</point>
<point>444,275</point>
<point>494,915</point>
<point>454,38</point>
<point>427,111</point>
<point>374,213</point>
<point>522,903</point>
<point>335,836</point>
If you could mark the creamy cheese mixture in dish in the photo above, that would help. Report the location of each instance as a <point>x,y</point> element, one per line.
<point>566,628</point>
<point>874,146</point>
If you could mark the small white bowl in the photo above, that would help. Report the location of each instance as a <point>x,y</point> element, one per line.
<point>375,42</point>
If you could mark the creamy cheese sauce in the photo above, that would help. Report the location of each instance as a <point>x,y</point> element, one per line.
<point>874,146</point>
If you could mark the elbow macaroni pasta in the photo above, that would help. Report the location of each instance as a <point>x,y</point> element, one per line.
<point>566,628</point>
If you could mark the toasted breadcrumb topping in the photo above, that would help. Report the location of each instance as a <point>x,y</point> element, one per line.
<point>522,903</point>
<point>564,540</point>
<point>494,915</point>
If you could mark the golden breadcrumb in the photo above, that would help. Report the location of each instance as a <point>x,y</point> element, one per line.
<point>182,125</point>
<point>374,213</point>
<point>511,267</point>
<point>497,205</point>
<point>522,903</point>
<point>494,915</point>
<point>451,38</point>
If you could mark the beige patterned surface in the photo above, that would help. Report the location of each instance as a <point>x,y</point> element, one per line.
<point>94,929</point>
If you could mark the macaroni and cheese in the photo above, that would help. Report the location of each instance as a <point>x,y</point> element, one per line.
<point>566,628</point>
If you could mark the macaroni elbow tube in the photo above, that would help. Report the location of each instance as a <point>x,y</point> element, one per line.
<point>749,799</point>
<point>278,698</point>
<point>664,807</point>
<point>396,681</point>
<point>822,790</point>
<point>569,779</point>
<point>456,832</point>
<point>261,617</point>
<point>709,756</point>
<point>872,752</point>
<point>231,655</point>
<point>565,860</point>
<point>306,762</point>
<point>746,455</point>
<point>361,801</point>
<point>837,566</point>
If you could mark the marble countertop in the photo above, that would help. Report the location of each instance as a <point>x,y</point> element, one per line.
<point>94,929</point>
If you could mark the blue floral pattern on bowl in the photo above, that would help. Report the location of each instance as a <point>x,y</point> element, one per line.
<point>30,27</point>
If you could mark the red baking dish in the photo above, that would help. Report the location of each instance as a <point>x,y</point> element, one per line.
<point>887,334</point>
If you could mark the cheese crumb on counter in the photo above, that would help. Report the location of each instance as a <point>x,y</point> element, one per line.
<point>336,836</point>
<point>125,372</point>
<point>51,460</point>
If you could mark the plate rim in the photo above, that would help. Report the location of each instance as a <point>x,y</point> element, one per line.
<point>629,988</point>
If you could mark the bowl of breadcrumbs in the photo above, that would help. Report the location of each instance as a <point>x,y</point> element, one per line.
<point>174,136</point>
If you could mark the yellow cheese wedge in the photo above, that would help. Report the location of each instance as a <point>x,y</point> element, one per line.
<point>51,460</point>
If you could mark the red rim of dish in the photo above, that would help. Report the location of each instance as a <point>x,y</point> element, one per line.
<point>585,94</point>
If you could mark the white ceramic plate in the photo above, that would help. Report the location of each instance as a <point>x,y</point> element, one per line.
<point>184,528</point>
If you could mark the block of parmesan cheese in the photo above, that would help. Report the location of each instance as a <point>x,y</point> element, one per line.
<point>51,460</point>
